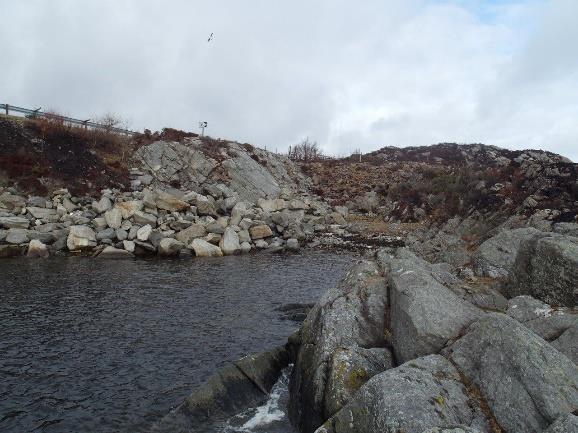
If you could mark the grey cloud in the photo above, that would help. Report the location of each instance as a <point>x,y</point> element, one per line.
<point>347,75</point>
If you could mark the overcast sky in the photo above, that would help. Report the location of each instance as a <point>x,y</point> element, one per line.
<point>346,74</point>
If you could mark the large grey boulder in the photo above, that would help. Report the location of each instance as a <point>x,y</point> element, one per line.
<point>350,368</point>
<point>425,314</point>
<point>546,268</point>
<point>525,381</point>
<point>419,395</point>
<point>567,343</point>
<point>565,424</point>
<point>546,321</point>
<point>80,237</point>
<point>229,243</point>
<point>496,256</point>
<point>351,316</point>
<point>37,249</point>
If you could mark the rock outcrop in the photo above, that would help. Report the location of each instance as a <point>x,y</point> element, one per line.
<point>414,397</point>
<point>527,383</point>
<point>231,390</point>
<point>338,341</point>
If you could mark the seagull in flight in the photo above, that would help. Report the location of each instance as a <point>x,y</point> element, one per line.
<point>210,38</point>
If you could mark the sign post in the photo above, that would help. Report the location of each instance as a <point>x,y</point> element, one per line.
<point>203,125</point>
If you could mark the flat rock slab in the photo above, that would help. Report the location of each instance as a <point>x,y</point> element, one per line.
<point>525,381</point>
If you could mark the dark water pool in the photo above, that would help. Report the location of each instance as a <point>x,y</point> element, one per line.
<point>110,346</point>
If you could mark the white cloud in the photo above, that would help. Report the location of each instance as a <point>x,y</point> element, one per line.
<point>347,75</point>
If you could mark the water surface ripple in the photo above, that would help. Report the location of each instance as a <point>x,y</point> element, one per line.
<point>110,346</point>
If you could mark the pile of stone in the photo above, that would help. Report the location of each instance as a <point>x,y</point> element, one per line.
<point>164,222</point>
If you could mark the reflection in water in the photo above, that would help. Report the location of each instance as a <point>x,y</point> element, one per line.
<point>95,345</point>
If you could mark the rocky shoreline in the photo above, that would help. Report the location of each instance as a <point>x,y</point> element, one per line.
<point>402,344</point>
<point>164,223</point>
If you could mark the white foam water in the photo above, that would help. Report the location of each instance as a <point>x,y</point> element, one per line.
<point>271,417</point>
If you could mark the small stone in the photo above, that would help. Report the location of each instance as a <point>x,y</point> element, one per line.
<point>114,253</point>
<point>260,232</point>
<point>204,249</point>
<point>129,246</point>
<point>293,244</point>
<point>169,247</point>
<point>144,232</point>
<point>113,218</point>
<point>102,205</point>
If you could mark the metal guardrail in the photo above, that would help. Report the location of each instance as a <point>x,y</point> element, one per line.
<point>86,123</point>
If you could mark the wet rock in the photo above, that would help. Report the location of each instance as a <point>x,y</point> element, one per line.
<point>245,247</point>
<point>229,243</point>
<point>114,253</point>
<point>349,316</point>
<point>421,394</point>
<point>546,268</point>
<point>525,381</point>
<point>11,250</point>
<point>260,232</point>
<point>425,314</point>
<point>169,247</point>
<point>292,244</point>
<point>80,237</point>
<point>37,249</point>
<point>204,249</point>
<point>231,390</point>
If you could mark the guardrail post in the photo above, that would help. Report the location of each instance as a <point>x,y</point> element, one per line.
<point>7,109</point>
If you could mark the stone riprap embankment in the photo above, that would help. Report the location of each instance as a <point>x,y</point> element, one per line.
<point>163,222</point>
<point>186,198</point>
<point>405,345</point>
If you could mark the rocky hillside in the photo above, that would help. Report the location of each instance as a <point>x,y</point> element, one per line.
<point>446,180</point>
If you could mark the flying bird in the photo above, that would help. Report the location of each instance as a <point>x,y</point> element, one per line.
<point>210,38</point>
